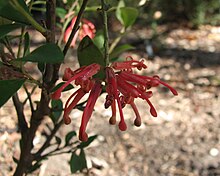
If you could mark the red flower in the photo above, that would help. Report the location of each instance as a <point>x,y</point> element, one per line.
<point>82,77</point>
<point>87,28</point>
<point>124,86</point>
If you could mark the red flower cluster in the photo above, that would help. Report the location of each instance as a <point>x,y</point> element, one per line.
<point>87,28</point>
<point>122,87</point>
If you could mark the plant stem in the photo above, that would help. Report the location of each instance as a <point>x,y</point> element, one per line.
<point>106,37</point>
<point>26,157</point>
<point>76,26</point>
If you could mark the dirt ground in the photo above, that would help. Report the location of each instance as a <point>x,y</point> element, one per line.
<point>184,140</point>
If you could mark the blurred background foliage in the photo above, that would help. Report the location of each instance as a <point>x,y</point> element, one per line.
<point>193,12</point>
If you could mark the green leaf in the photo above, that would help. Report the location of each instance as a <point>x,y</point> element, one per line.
<point>48,53</point>
<point>99,40</point>
<point>88,142</point>
<point>69,136</point>
<point>78,162</point>
<point>127,15</point>
<point>8,89</point>
<point>69,87</point>
<point>9,10</point>
<point>58,140</point>
<point>4,21</point>
<point>26,44</point>
<point>61,12</point>
<point>5,29</point>
<point>88,53</point>
<point>57,108</point>
<point>120,49</point>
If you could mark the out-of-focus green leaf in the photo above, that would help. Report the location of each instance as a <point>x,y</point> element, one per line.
<point>88,142</point>
<point>9,10</point>
<point>127,15</point>
<point>57,108</point>
<point>5,29</point>
<point>48,53</point>
<point>61,12</point>
<point>120,49</point>
<point>69,136</point>
<point>78,162</point>
<point>8,88</point>
<point>99,40</point>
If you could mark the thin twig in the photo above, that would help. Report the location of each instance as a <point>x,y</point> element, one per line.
<point>20,113</point>
<point>75,27</point>
<point>29,98</point>
<point>48,140</point>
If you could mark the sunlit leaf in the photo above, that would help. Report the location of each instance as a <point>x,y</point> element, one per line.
<point>127,15</point>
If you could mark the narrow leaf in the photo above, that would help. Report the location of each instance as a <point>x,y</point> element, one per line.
<point>8,89</point>
<point>69,136</point>
<point>26,44</point>
<point>58,140</point>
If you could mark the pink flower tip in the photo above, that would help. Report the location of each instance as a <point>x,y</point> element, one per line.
<point>83,136</point>
<point>137,122</point>
<point>122,126</point>
<point>56,95</point>
<point>153,112</point>
<point>66,120</point>
<point>112,120</point>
